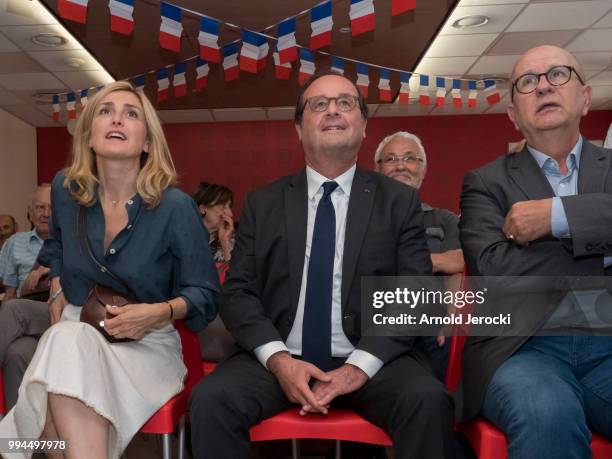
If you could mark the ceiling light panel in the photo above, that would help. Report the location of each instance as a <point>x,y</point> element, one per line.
<point>560,15</point>
<point>22,37</point>
<point>499,18</point>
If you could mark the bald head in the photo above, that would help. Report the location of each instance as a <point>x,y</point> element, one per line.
<point>545,50</point>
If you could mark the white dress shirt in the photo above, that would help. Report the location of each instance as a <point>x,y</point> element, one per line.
<point>340,345</point>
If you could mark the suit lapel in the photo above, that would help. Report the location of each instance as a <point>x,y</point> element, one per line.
<point>593,162</point>
<point>526,173</point>
<point>361,200</point>
<point>296,213</point>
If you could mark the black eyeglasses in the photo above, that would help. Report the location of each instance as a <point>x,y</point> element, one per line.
<point>393,159</point>
<point>556,76</point>
<point>344,102</point>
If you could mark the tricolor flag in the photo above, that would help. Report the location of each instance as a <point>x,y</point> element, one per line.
<point>337,65</point>
<point>162,84</point>
<point>287,48</point>
<point>254,52</point>
<point>440,91</point>
<point>84,95</point>
<point>404,94</point>
<point>179,82</point>
<point>363,78</point>
<point>122,19</point>
<point>307,65</point>
<point>56,108</point>
<point>209,40</point>
<point>201,74</point>
<point>424,89</point>
<point>491,92</point>
<point>321,23</point>
<point>73,10</point>
<point>362,16</point>
<point>282,71</point>
<point>401,6</point>
<point>456,93</point>
<point>230,62</point>
<point>472,94</point>
<point>171,27</point>
<point>139,82</point>
<point>384,86</point>
<point>71,106</point>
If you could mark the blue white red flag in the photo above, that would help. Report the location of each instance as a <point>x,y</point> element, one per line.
<point>363,78</point>
<point>84,95</point>
<point>202,70</point>
<point>139,82</point>
<point>162,84</point>
<point>56,108</point>
<point>440,91</point>
<point>404,94</point>
<point>282,71</point>
<point>73,10</point>
<point>472,94</point>
<point>456,93</point>
<point>362,16</point>
<point>122,16</point>
<point>179,82</point>
<point>230,62</point>
<point>424,89</point>
<point>491,92</point>
<point>307,65</point>
<point>208,39</point>
<point>321,23</point>
<point>287,47</point>
<point>254,52</point>
<point>384,85</point>
<point>337,65</point>
<point>71,105</point>
<point>171,27</point>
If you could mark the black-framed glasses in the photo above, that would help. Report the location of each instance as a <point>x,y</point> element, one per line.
<point>394,159</point>
<point>556,76</point>
<point>344,102</point>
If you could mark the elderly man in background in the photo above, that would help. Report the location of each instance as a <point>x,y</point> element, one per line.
<point>401,156</point>
<point>22,321</point>
<point>544,211</point>
<point>8,227</point>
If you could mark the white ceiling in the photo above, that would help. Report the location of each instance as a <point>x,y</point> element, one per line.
<point>583,27</point>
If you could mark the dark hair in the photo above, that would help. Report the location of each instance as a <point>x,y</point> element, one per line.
<point>211,194</point>
<point>299,107</point>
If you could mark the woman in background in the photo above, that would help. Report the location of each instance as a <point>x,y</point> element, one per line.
<point>79,387</point>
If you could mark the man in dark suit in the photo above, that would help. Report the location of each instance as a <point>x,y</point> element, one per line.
<point>292,296</point>
<point>544,211</point>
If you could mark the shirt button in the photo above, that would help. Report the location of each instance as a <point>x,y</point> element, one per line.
<point>129,227</point>
<point>112,251</point>
<point>130,202</point>
<point>103,269</point>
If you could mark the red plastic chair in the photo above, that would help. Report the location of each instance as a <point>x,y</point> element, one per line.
<point>165,421</point>
<point>2,399</point>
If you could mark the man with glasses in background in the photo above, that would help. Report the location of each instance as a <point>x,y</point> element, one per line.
<point>402,157</point>
<point>292,298</point>
<point>544,211</point>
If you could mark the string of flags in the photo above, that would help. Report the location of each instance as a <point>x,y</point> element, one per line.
<point>252,56</point>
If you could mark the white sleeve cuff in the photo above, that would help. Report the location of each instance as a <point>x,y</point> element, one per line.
<point>365,361</point>
<point>265,351</point>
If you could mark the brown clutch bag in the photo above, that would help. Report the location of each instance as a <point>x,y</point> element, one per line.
<point>94,310</point>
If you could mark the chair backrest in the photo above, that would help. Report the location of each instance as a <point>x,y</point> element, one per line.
<point>453,370</point>
<point>191,354</point>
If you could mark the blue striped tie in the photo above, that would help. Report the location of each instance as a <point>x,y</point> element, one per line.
<point>316,330</point>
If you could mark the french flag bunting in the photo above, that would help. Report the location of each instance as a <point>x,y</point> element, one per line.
<point>171,27</point>
<point>404,94</point>
<point>307,65</point>
<point>472,95</point>
<point>384,86</point>
<point>209,40</point>
<point>202,70</point>
<point>424,89</point>
<point>362,16</point>
<point>73,10</point>
<point>282,71</point>
<point>440,91</point>
<point>401,6</point>
<point>456,93</point>
<point>337,65</point>
<point>287,47</point>
<point>321,23</point>
<point>122,19</point>
<point>363,78</point>
<point>254,52</point>
<point>162,84</point>
<point>179,82</point>
<point>139,82</point>
<point>56,108</point>
<point>230,62</point>
<point>71,105</point>
<point>491,92</point>
<point>83,97</point>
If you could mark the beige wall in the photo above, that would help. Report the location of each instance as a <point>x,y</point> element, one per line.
<point>18,169</point>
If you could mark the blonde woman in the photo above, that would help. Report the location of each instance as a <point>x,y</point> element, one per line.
<point>79,387</point>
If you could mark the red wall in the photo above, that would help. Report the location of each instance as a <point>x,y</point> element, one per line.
<point>246,155</point>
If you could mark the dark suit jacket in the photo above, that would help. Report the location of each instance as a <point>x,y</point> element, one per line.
<point>384,237</point>
<point>487,196</point>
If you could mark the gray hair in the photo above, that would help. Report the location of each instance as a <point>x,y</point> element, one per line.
<point>405,135</point>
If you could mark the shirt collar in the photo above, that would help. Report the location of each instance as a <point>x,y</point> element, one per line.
<point>573,159</point>
<point>315,180</point>
<point>34,235</point>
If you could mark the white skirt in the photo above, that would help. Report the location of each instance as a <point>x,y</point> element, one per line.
<point>124,382</point>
